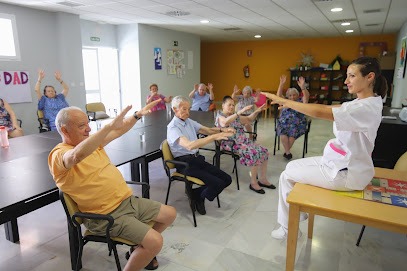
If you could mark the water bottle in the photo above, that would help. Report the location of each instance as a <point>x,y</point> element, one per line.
<point>4,137</point>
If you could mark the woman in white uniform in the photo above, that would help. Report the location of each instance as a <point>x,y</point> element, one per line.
<point>346,163</point>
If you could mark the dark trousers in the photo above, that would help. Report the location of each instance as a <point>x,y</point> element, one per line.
<point>215,179</point>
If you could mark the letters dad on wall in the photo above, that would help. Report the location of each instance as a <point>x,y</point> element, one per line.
<point>15,86</point>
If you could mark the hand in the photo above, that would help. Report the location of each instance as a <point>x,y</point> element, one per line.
<point>118,121</point>
<point>58,76</point>
<point>244,109</point>
<point>236,90</point>
<point>277,100</point>
<point>262,107</point>
<point>196,86</point>
<point>146,109</point>
<point>301,82</point>
<point>228,130</point>
<point>283,79</point>
<point>41,74</point>
<point>210,86</point>
<point>223,136</point>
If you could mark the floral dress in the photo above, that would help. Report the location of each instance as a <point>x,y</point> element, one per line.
<point>5,119</point>
<point>242,102</point>
<point>291,123</point>
<point>251,154</point>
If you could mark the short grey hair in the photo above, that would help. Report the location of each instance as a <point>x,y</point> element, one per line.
<point>177,100</point>
<point>247,88</point>
<point>62,117</point>
<point>291,90</point>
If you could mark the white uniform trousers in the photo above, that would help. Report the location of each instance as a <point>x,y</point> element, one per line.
<point>307,171</point>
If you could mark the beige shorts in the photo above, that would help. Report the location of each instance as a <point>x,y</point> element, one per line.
<point>131,219</point>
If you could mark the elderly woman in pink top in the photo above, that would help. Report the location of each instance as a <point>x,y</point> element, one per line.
<point>153,96</point>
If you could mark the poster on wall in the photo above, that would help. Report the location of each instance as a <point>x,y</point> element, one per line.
<point>401,71</point>
<point>175,63</point>
<point>15,86</point>
<point>157,59</point>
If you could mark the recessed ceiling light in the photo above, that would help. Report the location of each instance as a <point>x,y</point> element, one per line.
<point>257,36</point>
<point>346,23</point>
<point>336,9</point>
<point>204,21</point>
<point>349,31</point>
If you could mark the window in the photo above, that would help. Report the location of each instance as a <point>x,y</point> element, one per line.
<point>9,48</point>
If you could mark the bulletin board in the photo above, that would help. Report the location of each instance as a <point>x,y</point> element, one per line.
<point>176,63</point>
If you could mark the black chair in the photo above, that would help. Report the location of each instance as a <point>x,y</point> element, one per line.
<point>277,138</point>
<point>75,220</point>
<point>20,123</point>
<point>169,164</point>
<point>43,122</point>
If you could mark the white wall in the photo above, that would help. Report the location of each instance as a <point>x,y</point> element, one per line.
<point>168,85</point>
<point>400,84</point>
<point>50,41</point>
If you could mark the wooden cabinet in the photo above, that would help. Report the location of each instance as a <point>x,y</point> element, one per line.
<point>325,86</point>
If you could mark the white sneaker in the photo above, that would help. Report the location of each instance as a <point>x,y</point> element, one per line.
<point>281,233</point>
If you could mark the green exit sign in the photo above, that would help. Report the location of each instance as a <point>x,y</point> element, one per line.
<point>94,38</point>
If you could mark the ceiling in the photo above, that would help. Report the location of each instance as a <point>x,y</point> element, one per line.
<point>238,20</point>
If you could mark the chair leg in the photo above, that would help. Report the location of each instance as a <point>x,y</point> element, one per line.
<point>116,257</point>
<point>237,175</point>
<point>188,188</point>
<point>304,146</point>
<point>360,235</point>
<point>78,260</point>
<point>275,143</point>
<point>168,192</point>
<point>217,197</point>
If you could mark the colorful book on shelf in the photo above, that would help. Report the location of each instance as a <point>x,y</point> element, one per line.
<point>382,190</point>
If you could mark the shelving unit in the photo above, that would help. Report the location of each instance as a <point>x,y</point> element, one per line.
<point>325,86</point>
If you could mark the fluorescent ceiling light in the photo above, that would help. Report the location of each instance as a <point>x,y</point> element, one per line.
<point>204,21</point>
<point>346,23</point>
<point>349,31</point>
<point>336,9</point>
<point>257,36</point>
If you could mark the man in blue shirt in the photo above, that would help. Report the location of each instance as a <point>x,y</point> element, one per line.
<point>184,144</point>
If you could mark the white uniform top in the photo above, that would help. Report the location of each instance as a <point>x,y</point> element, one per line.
<point>355,127</point>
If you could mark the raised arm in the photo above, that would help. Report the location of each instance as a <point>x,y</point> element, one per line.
<point>305,92</point>
<point>41,75</point>
<point>65,88</point>
<point>192,93</point>
<point>225,121</point>
<point>283,79</point>
<point>320,111</point>
<point>168,99</point>
<point>236,91</point>
<point>211,95</point>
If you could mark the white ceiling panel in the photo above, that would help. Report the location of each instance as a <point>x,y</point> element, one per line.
<point>273,19</point>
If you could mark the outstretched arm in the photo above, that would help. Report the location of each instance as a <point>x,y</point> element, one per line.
<point>320,111</point>
<point>41,75</point>
<point>214,134</point>
<point>65,88</point>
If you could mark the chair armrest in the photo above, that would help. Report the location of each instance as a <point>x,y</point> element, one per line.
<point>175,162</point>
<point>108,218</point>
<point>91,115</point>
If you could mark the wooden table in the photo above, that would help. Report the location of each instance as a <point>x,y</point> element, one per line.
<point>319,201</point>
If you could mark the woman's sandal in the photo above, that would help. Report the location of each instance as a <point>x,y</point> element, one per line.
<point>153,265</point>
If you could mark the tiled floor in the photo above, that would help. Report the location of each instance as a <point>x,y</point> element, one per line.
<point>234,237</point>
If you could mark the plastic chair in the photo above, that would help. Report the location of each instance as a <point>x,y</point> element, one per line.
<point>169,164</point>
<point>43,122</point>
<point>401,165</point>
<point>277,138</point>
<point>97,111</point>
<point>75,220</point>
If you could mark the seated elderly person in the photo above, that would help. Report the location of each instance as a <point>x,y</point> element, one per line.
<point>184,144</point>
<point>201,100</point>
<point>9,120</point>
<point>82,169</point>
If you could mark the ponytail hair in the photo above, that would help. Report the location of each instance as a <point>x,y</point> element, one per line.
<point>370,64</point>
